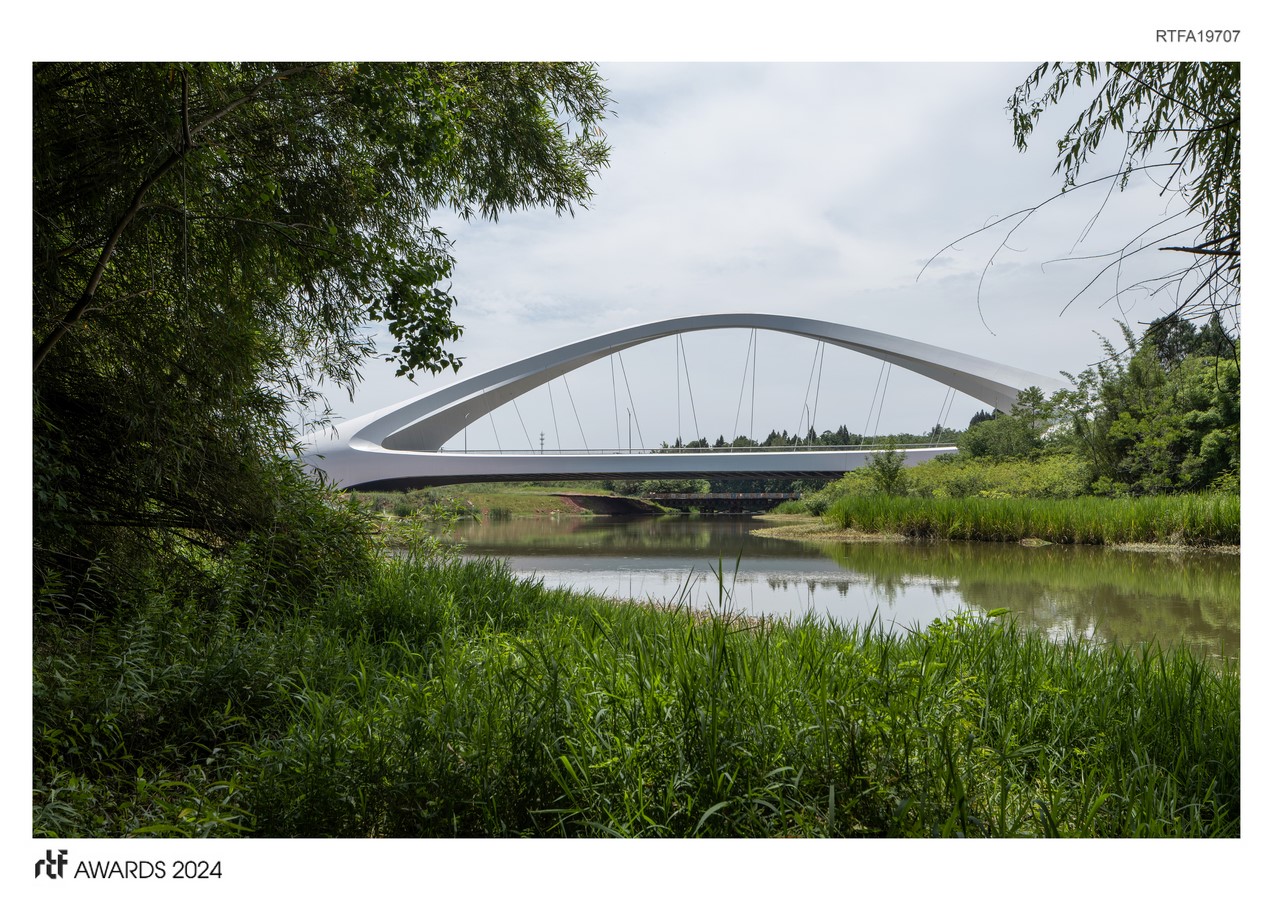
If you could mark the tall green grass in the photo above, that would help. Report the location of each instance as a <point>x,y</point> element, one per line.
<point>1195,520</point>
<point>457,699</point>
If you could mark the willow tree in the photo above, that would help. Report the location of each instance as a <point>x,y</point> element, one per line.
<point>1177,124</point>
<point>1169,417</point>
<point>210,242</point>
<point>1180,121</point>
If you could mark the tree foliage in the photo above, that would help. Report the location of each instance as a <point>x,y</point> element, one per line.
<point>211,241</point>
<point>887,471</point>
<point>1015,435</point>
<point>1163,414</point>
<point>1180,120</point>
<point>1151,423</point>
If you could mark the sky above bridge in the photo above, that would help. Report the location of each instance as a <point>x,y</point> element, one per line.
<point>830,190</point>
<point>826,190</point>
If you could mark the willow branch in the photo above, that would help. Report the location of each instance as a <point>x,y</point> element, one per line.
<point>1205,251</point>
<point>76,312</point>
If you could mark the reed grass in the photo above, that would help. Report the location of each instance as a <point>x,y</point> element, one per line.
<point>457,699</point>
<point>1193,520</point>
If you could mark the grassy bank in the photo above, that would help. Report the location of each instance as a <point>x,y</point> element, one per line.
<point>454,698</point>
<point>1197,520</point>
<point>485,500</point>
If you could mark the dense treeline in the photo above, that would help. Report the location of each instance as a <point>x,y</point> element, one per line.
<point>840,437</point>
<point>1162,416</point>
<point>210,241</point>
<point>1118,458</point>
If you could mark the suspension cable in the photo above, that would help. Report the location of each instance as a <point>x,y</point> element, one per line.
<point>490,415</point>
<point>817,391</point>
<point>582,436</point>
<point>618,440</point>
<point>947,402</point>
<point>553,407</point>
<point>804,407</point>
<point>524,431</point>
<point>631,402</point>
<point>742,386</point>
<point>804,403</point>
<point>887,374</point>
<point>867,427</point>
<point>754,353</point>
<point>949,407</point>
<point>690,387</point>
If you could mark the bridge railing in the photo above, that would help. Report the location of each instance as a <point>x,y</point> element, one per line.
<point>634,451</point>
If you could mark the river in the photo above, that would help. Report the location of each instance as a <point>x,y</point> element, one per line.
<point>1106,595</point>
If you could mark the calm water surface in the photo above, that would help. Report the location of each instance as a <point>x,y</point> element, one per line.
<point>1106,595</point>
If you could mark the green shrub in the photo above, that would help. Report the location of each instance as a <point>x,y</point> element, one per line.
<point>315,541</point>
<point>1056,476</point>
<point>794,508</point>
<point>886,471</point>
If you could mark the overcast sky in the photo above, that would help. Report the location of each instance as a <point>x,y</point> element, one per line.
<point>817,190</point>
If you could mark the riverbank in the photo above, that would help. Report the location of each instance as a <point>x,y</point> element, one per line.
<point>1198,520</point>
<point>798,527</point>
<point>442,698</point>
<point>489,500</point>
<point>814,529</point>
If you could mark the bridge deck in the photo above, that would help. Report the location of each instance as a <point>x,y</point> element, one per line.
<point>404,470</point>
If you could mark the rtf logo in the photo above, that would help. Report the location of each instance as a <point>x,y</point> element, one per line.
<point>52,867</point>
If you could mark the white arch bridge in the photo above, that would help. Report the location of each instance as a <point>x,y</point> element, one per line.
<point>400,446</point>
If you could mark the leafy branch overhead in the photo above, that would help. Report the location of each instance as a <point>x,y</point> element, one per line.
<point>1180,124</point>
<point>1190,113</point>
<point>1190,110</point>
<point>212,241</point>
<point>318,177</point>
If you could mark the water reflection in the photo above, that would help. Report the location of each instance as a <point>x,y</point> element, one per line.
<point>1108,595</point>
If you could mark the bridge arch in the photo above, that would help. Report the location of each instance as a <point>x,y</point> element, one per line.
<point>422,425</point>
<point>425,423</point>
